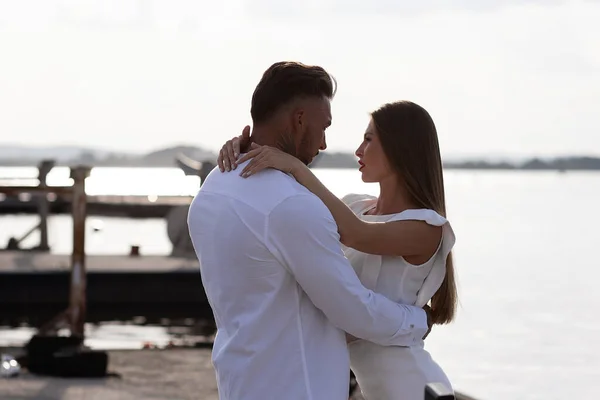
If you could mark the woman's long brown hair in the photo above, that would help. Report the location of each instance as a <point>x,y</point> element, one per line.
<point>410,142</point>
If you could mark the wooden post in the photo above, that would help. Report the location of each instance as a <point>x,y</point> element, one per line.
<point>205,169</point>
<point>43,206</point>
<point>77,300</point>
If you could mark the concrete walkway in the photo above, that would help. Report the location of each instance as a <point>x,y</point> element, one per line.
<point>176,374</point>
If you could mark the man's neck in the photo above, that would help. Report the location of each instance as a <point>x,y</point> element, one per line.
<point>273,136</point>
<point>264,136</point>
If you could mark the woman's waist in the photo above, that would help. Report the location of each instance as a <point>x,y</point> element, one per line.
<point>366,355</point>
<point>361,345</point>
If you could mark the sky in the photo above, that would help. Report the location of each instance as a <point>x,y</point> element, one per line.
<point>500,78</point>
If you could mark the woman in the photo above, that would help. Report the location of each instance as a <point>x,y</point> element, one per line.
<point>399,243</point>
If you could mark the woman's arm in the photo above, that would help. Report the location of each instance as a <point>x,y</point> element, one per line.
<point>397,238</point>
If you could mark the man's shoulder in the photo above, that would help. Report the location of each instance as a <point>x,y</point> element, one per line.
<point>302,208</point>
<point>263,191</point>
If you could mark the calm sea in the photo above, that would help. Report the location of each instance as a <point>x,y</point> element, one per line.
<point>526,256</point>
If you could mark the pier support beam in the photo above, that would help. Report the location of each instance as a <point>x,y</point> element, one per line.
<point>77,303</point>
<point>43,206</point>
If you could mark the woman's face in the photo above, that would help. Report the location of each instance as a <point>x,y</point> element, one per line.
<point>371,158</point>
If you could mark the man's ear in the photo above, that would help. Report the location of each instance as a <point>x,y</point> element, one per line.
<point>298,120</point>
<point>301,117</point>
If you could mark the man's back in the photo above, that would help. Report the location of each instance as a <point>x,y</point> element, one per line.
<point>272,342</point>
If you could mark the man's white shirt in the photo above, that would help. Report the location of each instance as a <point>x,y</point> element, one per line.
<point>282,292</point>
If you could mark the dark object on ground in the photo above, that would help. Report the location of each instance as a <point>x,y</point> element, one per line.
<point>48,345</point>
<point>438,391</point>
<point>64,357</point>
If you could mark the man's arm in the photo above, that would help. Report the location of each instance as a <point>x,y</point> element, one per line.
<point>302,234</point>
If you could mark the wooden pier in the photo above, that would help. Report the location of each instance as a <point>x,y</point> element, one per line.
<point>49,291</point>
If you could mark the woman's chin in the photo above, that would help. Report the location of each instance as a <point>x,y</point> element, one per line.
<point>365,178</point>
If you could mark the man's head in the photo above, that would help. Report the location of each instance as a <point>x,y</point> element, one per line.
<point>294,99</point>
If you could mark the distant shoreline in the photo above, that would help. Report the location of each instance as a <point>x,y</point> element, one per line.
<point>475,166</point>
<point>21,156</point>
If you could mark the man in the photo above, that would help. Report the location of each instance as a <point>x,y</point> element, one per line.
<point>282,292</point>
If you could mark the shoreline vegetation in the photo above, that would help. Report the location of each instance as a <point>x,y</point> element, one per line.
<point>21,156</point>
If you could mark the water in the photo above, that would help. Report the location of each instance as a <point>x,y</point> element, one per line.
<point>526,259</point>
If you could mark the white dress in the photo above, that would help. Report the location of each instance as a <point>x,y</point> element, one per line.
<point>397,373</point>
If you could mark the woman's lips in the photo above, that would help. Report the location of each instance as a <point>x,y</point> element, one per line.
<point>361,165</point>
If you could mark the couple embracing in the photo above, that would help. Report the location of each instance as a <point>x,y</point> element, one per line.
<point>303,285</point>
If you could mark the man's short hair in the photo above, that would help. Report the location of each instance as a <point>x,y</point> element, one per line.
<point>285,81</point>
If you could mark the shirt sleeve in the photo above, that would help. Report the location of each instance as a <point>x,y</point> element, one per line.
<point>303,235</point>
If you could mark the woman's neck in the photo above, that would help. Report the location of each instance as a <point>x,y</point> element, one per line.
<point>393,198</point>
